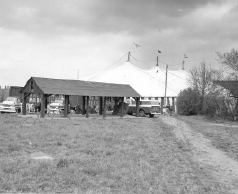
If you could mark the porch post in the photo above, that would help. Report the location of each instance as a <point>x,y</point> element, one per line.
<point>87,106</point>
<point>104,108</point>
<point>100,105</point>
<point>46,100</point>
<point>42,115</point>
<point>66,105</point>
<point>122,106</point>
<point>24,104</point>
<point>36,98</point>
<point>83,108</point>
<point>137,106</point>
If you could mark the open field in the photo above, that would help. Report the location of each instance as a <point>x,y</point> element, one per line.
<point>144,155</point>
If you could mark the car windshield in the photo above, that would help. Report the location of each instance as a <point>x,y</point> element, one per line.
<point>149,102</point>
<point>60,101</point>
<point>33,100</point>
<point>11,99</point>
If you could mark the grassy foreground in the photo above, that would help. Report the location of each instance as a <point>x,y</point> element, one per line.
<point>222,133</point>
<point>96,156</point>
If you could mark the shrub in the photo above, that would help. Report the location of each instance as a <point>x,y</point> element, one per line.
<point>188,102</point>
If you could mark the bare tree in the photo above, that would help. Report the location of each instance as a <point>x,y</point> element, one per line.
<point>200,79</point>
<point>230,60</point>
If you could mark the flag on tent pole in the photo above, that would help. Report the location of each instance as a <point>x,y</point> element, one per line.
<point>137,45</point>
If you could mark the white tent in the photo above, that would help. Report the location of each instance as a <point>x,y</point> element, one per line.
<point>148,83</point>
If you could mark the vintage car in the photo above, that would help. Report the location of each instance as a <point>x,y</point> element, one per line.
<point>146,107</point>
<point>11,105</point>
<point>56,106</point>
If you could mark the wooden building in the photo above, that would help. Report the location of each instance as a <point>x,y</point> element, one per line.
<point>46,87</point>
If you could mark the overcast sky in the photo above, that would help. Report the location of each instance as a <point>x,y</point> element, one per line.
<point>58,39</point>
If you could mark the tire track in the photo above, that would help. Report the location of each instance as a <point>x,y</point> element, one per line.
<point>215,162</point>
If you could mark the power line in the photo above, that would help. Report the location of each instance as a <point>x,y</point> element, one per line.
<point>177,76</point>
<point>141,69</point>
<point>143,61</point>
<point>156,79</point>
<point>173,74</point>
<point>109,66</point>
<point>176,64</point>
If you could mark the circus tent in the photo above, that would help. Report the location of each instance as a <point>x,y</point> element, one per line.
<point>147,82</point>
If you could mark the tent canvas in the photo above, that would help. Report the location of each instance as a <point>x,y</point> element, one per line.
<point>148,83</point>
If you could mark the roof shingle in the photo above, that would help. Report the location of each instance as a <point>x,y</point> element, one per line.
<point>78,87</point>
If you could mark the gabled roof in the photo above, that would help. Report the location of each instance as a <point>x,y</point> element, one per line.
<point>148,83</point>
<point>77,87</point>
<point>232,86</point>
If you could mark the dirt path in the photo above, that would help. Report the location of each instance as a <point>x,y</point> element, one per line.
<point>215,162</point>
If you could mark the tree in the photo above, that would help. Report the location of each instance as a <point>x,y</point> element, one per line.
<point>188,102</point>
<point>230,60</point>
<point>200,79</point>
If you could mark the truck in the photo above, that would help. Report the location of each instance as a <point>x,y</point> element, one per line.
<point>12,91</point>
<point>11,105</point>
<point>146,107</point>
<point>11,99</point>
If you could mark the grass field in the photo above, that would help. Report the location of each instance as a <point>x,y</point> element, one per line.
<point>98,156</point>
<point>223,134</point>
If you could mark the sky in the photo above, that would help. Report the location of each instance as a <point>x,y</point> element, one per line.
<point>76,38</point>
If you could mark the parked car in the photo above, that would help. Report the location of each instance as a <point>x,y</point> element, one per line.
<point>56,106</point>
<point>146,107</point>
<point>11,105</point>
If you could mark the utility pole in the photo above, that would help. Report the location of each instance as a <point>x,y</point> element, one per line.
<point>129,54</point>
<point>165,97</point>
<point>157,64</point>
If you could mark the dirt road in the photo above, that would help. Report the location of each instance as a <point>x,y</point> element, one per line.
<point>214,162</point>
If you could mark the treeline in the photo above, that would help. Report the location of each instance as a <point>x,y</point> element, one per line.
<point>205,97</point>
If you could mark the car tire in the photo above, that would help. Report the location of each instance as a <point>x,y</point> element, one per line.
<point>142,113</point>
<point>151,115</point>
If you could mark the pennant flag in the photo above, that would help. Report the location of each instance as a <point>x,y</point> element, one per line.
<point>137,45</point>
<point>159,51</point>
<point>185,56</point>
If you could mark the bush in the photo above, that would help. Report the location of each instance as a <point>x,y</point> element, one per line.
<point>188,102</point>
